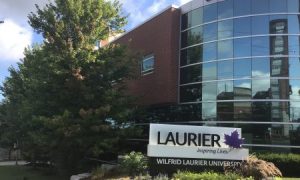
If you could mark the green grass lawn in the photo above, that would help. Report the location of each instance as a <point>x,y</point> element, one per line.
<point>26,173</point>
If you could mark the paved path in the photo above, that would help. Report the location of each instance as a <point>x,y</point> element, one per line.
<point>12,163</point>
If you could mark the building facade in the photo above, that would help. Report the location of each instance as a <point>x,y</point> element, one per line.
<point>237,64</point>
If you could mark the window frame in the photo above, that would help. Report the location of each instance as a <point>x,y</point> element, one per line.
<point>149,70</point>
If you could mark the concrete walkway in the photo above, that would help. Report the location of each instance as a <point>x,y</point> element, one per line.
<point>12,163</point>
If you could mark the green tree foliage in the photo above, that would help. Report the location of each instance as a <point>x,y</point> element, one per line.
<point>66,101</point>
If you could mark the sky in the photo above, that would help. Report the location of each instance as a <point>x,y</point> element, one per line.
<point>16,34</point>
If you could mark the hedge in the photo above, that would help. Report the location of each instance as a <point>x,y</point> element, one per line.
<point>289,164</point>
<point>208,176</point>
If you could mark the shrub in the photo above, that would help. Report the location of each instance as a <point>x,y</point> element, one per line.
<point>259,169</point>
<point>208,176</point>
<point>134,163</point>
<point>97,173</point>
<point>287,163</point>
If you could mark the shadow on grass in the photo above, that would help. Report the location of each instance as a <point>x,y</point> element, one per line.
<point>27,173</point>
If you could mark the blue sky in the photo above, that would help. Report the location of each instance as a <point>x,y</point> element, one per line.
<point>16,34</point>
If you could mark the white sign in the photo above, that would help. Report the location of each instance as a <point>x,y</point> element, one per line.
<point>196,142</point>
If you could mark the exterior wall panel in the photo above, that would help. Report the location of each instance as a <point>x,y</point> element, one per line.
<point>160,37</point>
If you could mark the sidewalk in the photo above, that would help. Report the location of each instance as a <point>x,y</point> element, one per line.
<point>12,163</point>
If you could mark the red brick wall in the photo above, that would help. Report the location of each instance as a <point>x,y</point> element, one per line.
<point>159,36</point>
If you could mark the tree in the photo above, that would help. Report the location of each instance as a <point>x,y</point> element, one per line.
<point>66,100</point>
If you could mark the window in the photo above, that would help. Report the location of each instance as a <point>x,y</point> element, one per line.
<point>278,6</point>
<point>191,93</point>
<point>260,25</point>
<point>225,29</point>
<point>293,6</point>
<point>261,67</point>
<point>242,47</point>
<point>210,12</point>
<point>225,69</point>
<point>191,55</point>
<point>260,6</point>
<point>242,26</point>
<point>210,32</point>
<point>225,50</point>
<point>242,7</point>
<point>260,46</point>
<point>209,51</point>
<point>191,74</point>
<point>242,68</point>
<point>148,64</point>
<point>225,9</point>
<point>191,37</point>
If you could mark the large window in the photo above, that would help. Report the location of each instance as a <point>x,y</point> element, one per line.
<point>242,47</point>
<point>147,64</point>
<point>210,12</point>
<point>242,26</point>
<point>242,7</point>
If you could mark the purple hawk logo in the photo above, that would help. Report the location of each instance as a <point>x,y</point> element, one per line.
<point>233,140</point>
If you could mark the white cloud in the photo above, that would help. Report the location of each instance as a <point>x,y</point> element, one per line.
<point>13,39</point>
<point>141,11</point>
<point>15,33</point>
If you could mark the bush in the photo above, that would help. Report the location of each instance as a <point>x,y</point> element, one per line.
<point>134,163</point>
<point>287,163</point>
<point>208,176</point>
<point>259,169</point>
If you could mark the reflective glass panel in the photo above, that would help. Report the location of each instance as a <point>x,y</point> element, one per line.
<point>260,6</point>
<point>225,29</point>
<point>294,70</point>
<point>260,46</point>
<point>194,36</point>
<point>191,93</point>
<point>242,111</point>
<point>191,74</point>
<point>242,26</point>
<point>278,6</point>
<point>197,17</point>
<point>261,112</point>
<point>261,88</point>
<point>295,90</point>
<point>210,12</point>
<point>242,68</point>
<point>280,89</point>
<point>191,55</point>
<point>294,45</point>
<point>293,6</point>
<point>225,111</point>
<point>295,111</point>
<point>278,24</point>
<point>260,25</point>
<point>225,49</point>
<point>209,71</point>
<point>242,7</point>
<point>184,39</point>
<point>210,32</point>
<point>209,51</point>
<point>209,111</point>
<point>293,24</point>
<point>242,47</point>
<point>184,21</point>
<point>209,91</point>
<point>225,9</point>
<point>225,69</point>
<point>225,90</point>
<point>242,89</point>
<point>279,66</point>
<point>260,67</point>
